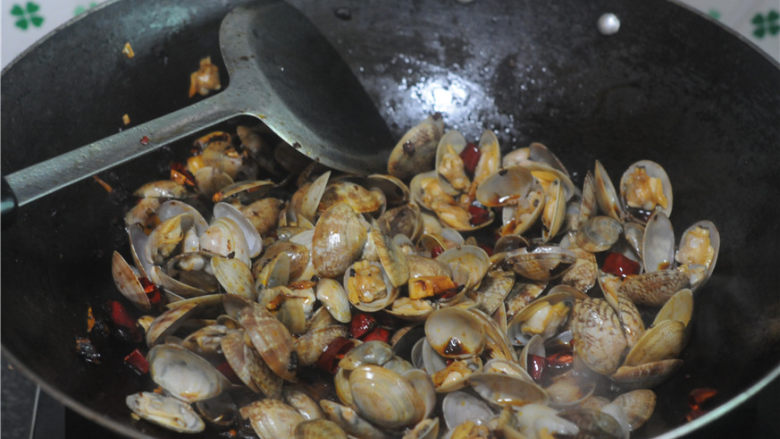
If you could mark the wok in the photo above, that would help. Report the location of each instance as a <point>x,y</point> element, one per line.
<point>670,86</point>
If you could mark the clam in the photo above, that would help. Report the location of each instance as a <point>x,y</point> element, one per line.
<point>468,264</point>
<point>519,217</point>
<point>459,407</point>
<point>310,345</point>
<point>638,405</point>
<point>206,340</point>
<point>359,198</point>
<point>658,243</point>
<point>644,187</point>
<point>583,274</point>
<point>275,273</point>
<point>244,192</point>
<point>568,389</point>
<point>494,288</point>
<point>653,289</point>
<point>405,219</point>
<point>505,187</point>
<point>645,375</point>
<point>211,180</point>
<point>449,164</point>
<point>698,251</point>
<point>661,342</point>
<point>168,322</point>
<point>161,189</point>
<point>506,390</point>
<point>234,276</point>
<point>187,274</point>
<point>600,346</point>
<point>554,211</point>
<point>271,339</point>
<point>371,352</point>
<point>271,418</point>
<point>334,298</point>
<point>598,234</point>
<point>306,406</point>
<point>541,263</point>
<point>606,195</point>
<point>368,287</point>
<point>225,238</point>
<point>679,307</point>
<point>416,150</point>
<point>454,333</point>
<point>184,374</point>
<point>631,321</point>
<point>127,282</point>
<point>391,257</point>
<point>489,160</point>
<point>544,316</point>
<point>588,203</point>
<point>166,237</point>
<point>425,429</point>
<point>248,366</point>
<point>297,255</point>
<point>166,412</point>
<point>263,214</point>
<point>384,397</point>
<point>338,240</point>
<point>522,294</point>
<point>253,240</point>
<point>143,213</point>
<point>350,420</point>
<point>319,429</point>
<point>592,423</point>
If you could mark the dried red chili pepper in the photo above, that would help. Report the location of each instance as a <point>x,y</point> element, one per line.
<point>181,175</point>
<point>470,156</point>
<point>380,334</point>
<point>619,265</point>
<point>119,315</point>
<point>436,251</point>
<point>361,324</point>
<point>478,214</point>
<point>151,290</point>
<point>559,360</point>
<point>145,140</point>
<point>333,353</point>
<point>536,365</point>
<point>696,399</point>
<point>137,362</point>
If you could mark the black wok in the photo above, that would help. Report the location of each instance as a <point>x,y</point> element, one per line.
<point>670,86</point>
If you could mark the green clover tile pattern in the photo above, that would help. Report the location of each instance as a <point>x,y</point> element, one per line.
<point>80,9</point>
<point>26,15</point>
<point>766,25</point>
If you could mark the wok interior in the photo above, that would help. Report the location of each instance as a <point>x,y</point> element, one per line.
<point>669,87</point>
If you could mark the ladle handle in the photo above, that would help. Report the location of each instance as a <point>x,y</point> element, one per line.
<point>31,183</point>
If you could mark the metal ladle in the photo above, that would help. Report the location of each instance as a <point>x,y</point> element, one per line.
<point>282,70</point>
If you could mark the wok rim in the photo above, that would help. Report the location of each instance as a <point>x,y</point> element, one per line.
<point>129,431</point>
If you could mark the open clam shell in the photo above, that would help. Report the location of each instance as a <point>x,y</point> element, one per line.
<point>234,276</point>
<point>598,234</point>
<point>606,195</point>
<point>661,342</point>
<point>184,374</point>
<point>541,263</point>
<point>468,264</point>
<point>165,411</point>
<point>658,243</point>
<point>504,187</point>
<point>334,298</point>
<point>645,375</point>
<point>543,316</point>
<point>349,420</point>
<point>272,418</point>
<point>645,186</point>
<point>368,286</point>
<point>449,165</point>
<point>384,397</point>
<point>698,250</point>
<point>679,307</point>
<point>455,333</point>
<point>127,282</point>
<point>506,390</point>
<point>519,217</point>
<point>459,407</point>
<point>253,240</point>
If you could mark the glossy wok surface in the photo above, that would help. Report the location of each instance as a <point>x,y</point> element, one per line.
<point>670,86</point>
